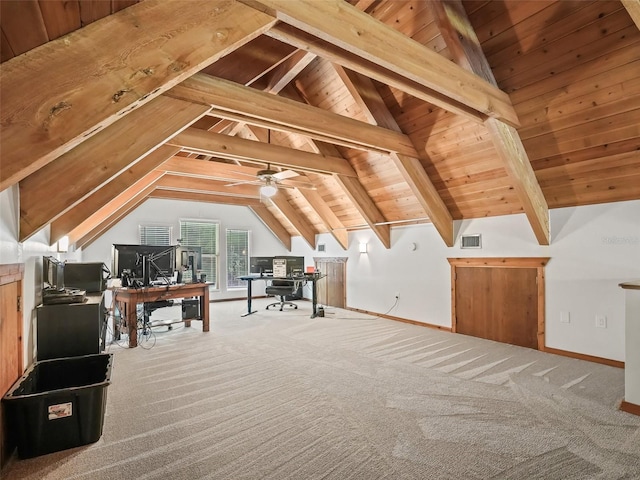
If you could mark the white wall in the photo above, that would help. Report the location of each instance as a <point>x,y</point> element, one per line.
<point>29,253</point>
<point>170,212</point>
<point>593,249</point>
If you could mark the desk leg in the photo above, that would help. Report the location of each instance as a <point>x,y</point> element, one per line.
<point>132,323</point>
<point>249,295</point>
<point>314,299</point>
<point>204,309</point>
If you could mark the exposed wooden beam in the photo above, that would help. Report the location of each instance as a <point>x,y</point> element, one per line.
<point>364,92</point>
<point>633,7</point>
<point>285,73</point>
<point>115,211</point>
<point>203,197</point>
<point>301,224</point>
<point>367,208</point>
<point>237,102</point>
<point>204,185</point>
<point>331,221</point>
<point>339,56</point>
<point>462,41</point>
<point>342,24</point>
<point>99,73</point>
<point>128,179</point>
<point>101,157</point>
<point>272,223</point>
<point>236,148</point>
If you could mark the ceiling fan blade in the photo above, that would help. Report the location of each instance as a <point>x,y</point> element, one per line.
<point>296,184</point>
<point>284,174</point>
<point>248,182</point>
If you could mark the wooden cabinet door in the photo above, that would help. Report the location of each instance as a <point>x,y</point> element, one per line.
<point>10,354</point>
<point>498,304</point>
<point>332,288</point>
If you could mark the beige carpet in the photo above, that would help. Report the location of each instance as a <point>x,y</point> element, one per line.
<point>277,395</point>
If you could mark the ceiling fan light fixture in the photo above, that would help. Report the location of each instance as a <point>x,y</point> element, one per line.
<point>268,189</point>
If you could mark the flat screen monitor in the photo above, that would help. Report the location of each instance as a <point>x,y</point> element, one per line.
<point>186,254</point>
<point>295,265</point>
<point>129,260</point>
<point>52,274</point>
<point>261,265</point>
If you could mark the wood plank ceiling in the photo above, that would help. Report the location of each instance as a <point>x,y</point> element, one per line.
<point>389,112</point>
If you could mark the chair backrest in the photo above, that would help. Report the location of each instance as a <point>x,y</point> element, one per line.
<point>280,287</point>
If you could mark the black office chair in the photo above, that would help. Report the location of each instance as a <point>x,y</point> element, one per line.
<point>281,288</point>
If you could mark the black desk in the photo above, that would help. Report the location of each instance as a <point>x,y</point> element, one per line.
<point>301,280</point>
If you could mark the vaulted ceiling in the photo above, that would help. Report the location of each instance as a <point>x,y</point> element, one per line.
<point>376,112</point>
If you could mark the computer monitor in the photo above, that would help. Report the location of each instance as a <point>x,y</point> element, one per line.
<point>188,262</point>
<point>294,265</point>
<point>52,274</point>
<point>261,265</point>
<point>143,262</point>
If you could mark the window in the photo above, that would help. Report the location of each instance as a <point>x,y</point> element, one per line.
<point>155,234</point>
<point>237,257</point>
<point>203,234</point>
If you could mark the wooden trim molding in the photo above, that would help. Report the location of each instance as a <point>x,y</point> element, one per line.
<point>11,272</point>
<point>331,259</point>
<point>400,319</point>
<point>582,356</point>
<point>630,408</point>
<point>513,262</point>
<point>504,262</point>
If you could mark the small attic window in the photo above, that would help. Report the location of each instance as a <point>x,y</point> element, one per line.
<point>471,241</point>
<point>321,247</point>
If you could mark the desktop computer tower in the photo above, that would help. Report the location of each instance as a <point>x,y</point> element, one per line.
<point>190,308</point>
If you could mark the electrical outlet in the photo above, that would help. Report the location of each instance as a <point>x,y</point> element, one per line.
<point>565,317</point>
<point>601,321</point>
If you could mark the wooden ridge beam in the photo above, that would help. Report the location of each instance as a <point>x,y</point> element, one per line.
<point>301,224</point>
<point>129,178</point>
<point>272,223</point>
<point>100,158</point>
<point>99,73</point>
<point>237,102</point>
<point>235,148</point>
<point>452,20</point>
<point>343,25</point>
<point>364,92</point>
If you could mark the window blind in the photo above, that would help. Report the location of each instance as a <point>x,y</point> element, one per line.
<point>205,235</point>
<point>155,234</point>
<point>237,257</point>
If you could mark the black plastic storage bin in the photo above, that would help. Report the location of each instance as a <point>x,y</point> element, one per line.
<point>59,404</point>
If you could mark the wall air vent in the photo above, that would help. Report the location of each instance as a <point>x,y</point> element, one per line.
<point>471,241</point>
<point>321,247</point>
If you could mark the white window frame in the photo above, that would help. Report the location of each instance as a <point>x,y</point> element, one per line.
<point>214,257</point>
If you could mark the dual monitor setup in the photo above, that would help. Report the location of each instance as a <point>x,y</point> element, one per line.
<point>279,266</point>
<point>144,265</point>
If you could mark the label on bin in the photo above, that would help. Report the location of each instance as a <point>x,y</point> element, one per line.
<point>60,410</point>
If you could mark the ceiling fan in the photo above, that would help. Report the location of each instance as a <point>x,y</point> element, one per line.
<point>270,180</point>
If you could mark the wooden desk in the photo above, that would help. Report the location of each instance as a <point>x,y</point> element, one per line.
<point>126,300</point>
